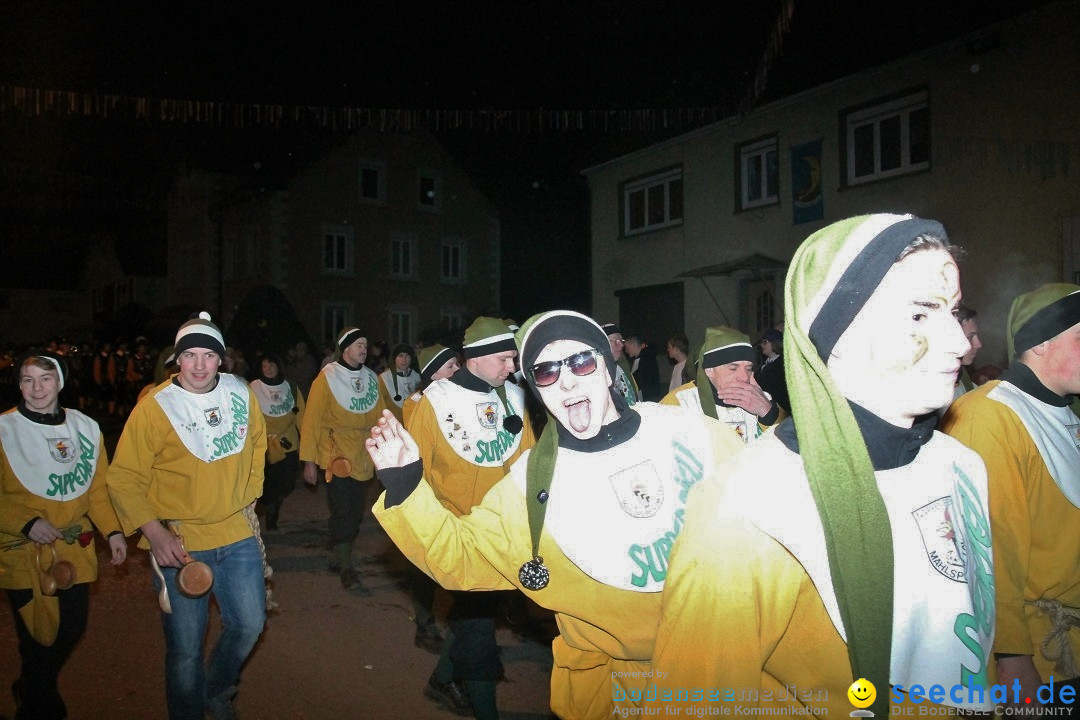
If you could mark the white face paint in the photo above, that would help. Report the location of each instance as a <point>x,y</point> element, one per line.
<point>900,356</point>
<point>580,403</point>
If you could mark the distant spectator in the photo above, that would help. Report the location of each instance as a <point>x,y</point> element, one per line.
<point>643,367</point>
<point>678,348</point>
<point>770,375</point>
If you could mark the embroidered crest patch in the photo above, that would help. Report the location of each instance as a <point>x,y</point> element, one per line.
<point>61,450</point>
<point>638,489</point>
<point>358,384</point>
<point>943,539</point>
<point>213,416</point>
<point>488,414</point>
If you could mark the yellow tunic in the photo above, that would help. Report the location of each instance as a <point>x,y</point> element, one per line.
<point>409,407</point>
<point>606,632</point>
<point>329,430</point>
<point>1036,529</point>
<point>459,484</point>
<point>18,506</point>
<point>286,426</point>
<point>153,476</point>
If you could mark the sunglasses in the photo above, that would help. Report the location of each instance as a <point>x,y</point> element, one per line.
<point>581,364</point>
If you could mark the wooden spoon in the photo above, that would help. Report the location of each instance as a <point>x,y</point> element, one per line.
<point>163,595</point>
<point>45,580</point>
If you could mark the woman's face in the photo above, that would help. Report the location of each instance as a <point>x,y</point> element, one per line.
<point>40,388</point>
<point>449,367</point>
<point>269,369</point>
<point>580,403</point>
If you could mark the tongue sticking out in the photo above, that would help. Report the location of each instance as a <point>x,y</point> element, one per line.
<point>578,415</point>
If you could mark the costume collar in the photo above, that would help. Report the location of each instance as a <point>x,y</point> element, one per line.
<point>467,380</point>
<point>1026,380</point>
<point>347,366</point>
<point>273,383</point>
<point>56,418</point>
<point>889,446</point>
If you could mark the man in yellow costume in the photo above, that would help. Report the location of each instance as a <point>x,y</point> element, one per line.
<point>470,428</point>
<point>583,522</point>
<point>1022,426</point>
<point>725,387</point>
<point>189,465</point>
<point>346,400</point>
<point>852,542</point>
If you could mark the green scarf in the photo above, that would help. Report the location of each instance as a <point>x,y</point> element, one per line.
<point>839,472</point>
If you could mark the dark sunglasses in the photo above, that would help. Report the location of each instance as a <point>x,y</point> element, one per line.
<point>581,364</point>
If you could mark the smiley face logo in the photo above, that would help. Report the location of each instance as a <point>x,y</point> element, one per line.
<point>862,693</point>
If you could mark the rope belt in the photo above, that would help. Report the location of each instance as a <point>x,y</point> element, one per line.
<point>1055,646</point>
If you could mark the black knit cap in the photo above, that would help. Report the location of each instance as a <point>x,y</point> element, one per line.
<point>348,336</point>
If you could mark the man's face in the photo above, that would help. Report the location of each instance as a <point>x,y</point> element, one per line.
<point>616,342</point>
<point>632,348</point>
<point>971,332</point>
<point>671,352</point>
<point>449,367</point>
<point>40,388</point>
<point>356,352</point>
<point>900,356</point>
<point>402,361</point>
<point>493,369</point>
<point>1062,362</point>
<point>737,372</point>
<point>580,403</point>
<point>198,369</point>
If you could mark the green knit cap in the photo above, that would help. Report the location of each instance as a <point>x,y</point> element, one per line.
<point>722,345</point>
<point>487,336</point>
<point>1042,314</point>
<point>831,276</point>
<point>432,358</point>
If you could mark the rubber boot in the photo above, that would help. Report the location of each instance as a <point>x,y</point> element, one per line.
<point>482,694</point>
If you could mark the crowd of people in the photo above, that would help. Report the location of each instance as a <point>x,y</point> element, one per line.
<point>844,503</point>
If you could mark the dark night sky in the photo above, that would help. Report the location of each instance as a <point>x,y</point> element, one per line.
<point>599,54</point>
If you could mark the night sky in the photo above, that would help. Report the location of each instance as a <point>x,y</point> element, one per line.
<point>599,54</point>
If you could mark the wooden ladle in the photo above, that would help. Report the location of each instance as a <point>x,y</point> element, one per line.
<point>45,580</point>
<point>163,595</point>
<point>194,579</point>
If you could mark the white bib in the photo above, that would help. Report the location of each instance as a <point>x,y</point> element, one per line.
<point>406,385</point>
<point>274,400</point>
<point>212,425</point>
<point>472,422</point>
<point>616,513</point>
<point>1055,432</point>
<point>55,462</point>
<point>943,588</point>
<point>355,390</point>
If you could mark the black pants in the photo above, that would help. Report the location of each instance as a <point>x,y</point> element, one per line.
<point>280,480</point>
<point>347,501</point>
<point>473,650</point>
<point>36,691</point>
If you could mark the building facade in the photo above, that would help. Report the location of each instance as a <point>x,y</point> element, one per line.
<point>382,232</point>
<point>980,133</point>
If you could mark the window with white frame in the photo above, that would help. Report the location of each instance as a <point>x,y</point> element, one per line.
<point>372,180</point>
<point>452,260</point>
<point>888,138</point>
<point>403,259</point>
<point>653,202</point>
<point>338,241</point>
<point>401,325</point>
<point>759,173</point>
<point>429,189</point>
<point>335,318</point>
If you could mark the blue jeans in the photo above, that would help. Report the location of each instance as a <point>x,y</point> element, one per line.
<point>192,686</point>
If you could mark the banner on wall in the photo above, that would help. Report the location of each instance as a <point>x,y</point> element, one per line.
<point>807,202</point>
